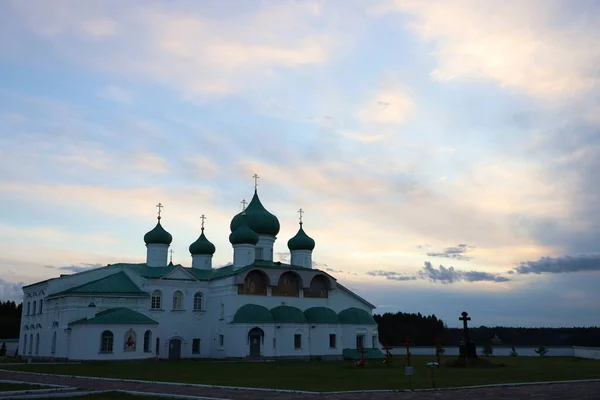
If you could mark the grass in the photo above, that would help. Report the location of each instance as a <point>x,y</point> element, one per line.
<point>6,387</point>
<point>333,376</point>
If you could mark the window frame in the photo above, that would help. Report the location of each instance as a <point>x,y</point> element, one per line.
<point>107,342</point>
<point>198,301</point>
<point>156,300</point>
<point>196,346</point>
<point>333,339</point>
<point>297,341</point>
<point>178,300</point>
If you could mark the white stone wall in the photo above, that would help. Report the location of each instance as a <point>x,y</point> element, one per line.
<point>85,340</point>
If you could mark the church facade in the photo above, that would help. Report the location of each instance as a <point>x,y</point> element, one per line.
<point>255,307</point>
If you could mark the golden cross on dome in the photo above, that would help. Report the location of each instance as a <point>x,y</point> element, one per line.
<point>301,212</point>
<point>255,176</point>
<point>160,207</point>
<point>202,217</point>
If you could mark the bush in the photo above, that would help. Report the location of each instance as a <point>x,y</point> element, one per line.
<point>487,350</point>
<point>513,352</point>
<point>542,350</point>
<point>3,350</point>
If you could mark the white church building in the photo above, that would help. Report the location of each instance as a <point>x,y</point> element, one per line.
<point>255,307</point>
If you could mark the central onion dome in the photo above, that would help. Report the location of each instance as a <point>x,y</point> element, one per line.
<point>243,234</point>
<point>258,218</point>
<point>301,241</point>
<point>202,246</point>
<point>158,235</point>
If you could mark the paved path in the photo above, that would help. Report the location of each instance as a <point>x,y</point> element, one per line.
<point>563,391</point>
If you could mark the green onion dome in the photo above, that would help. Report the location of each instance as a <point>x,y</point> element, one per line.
<point>301,241</point>
<point>259,219</point>
<point>202,246</point>
<point>158,235</point>
<point>243,234</point>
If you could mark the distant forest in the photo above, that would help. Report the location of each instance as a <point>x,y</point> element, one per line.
<point>420,330</point>
<point>10,319</point>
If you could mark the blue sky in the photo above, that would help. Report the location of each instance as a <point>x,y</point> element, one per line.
<point>445,153</point>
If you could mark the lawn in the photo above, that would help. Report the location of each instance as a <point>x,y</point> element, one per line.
<point>116,396</point>
<point>6,387</point>
<point>333,376</point>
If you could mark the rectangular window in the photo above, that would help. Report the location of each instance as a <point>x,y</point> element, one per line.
<point>297,341</point>
<point>196,346</point>
<point>374,340</point>
<point>157,346</point>
<point>221,340</point>
<point>155,303</point>
<point>332,340</point>
<point>274,343</point>
<point>360,341</point>
<point>258,253</point>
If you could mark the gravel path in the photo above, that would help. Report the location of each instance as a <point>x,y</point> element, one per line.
<point>558,391</point>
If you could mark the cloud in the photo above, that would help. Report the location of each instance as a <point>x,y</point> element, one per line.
<point>76,268</point>
<point>451,275</point>
<point>117,94</point>
<point>386,107</point>
<point>559,265</point>
<point>199,50</point>
<point>520,45</point>
<point>11,290</point>
<point>456,253</point>
<point>391,275</point>
<point>335,271</point>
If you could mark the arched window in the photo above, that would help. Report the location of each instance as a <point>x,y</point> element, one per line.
<point>255,283</point>
<point>53,349</point>
<point>106,342</point>
<point>37,343</point>
<point>130,340</point>
<point>198,301</point>
<point>147,341</point>
<point>41,305</point>
<point>28,307</point>
<point>156,300</point>
<point>319,287</point>
<point>177,300</point>
<point>25,344</point>
<point>33,312</point>
<point>289,285</point>
<point>30,343</point>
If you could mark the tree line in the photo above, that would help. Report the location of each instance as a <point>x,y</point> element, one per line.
<point>422,330</point>
<point>10,319</point>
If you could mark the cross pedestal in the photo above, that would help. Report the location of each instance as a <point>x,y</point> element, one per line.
<point>467,348</point>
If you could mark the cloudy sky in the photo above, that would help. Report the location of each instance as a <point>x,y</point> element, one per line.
<point>446,154</point>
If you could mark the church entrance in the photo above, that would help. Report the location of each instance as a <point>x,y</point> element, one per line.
<point>174,349</point>
<point>255,337</point>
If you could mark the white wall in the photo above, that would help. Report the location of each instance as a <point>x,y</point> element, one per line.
<point>85,342</point>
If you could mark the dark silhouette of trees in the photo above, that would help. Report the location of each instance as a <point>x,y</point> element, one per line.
<point>10,319</point>
<point>422,331</point>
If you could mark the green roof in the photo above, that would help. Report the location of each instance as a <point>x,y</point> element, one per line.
<point>202,246</point>
<point>288,315</point>
<point>259,219</point>
<point>356,316</point>
<point>253,313</point>
<point>321,315</point>
<point>301,241</point>
<point>158,235</point>
<point>243,234</point>
<point>117,316</point>
<point>115,284</point>
<point>370,354</point>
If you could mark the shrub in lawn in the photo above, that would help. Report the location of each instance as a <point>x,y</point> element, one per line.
<point>513,352</point>
<point>487,350</point>
<point>542,350</point>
